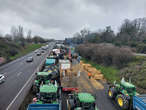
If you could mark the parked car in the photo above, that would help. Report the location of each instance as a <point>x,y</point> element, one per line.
<point>29,59</point>
<point>2,78</point>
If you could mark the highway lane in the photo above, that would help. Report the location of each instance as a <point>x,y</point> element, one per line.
<point>12,63</point>
<point>17,73</point>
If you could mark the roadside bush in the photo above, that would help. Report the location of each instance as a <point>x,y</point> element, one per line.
<point>13,52</point>
<point>141,48</point>
<point>136,72</point>
<point>106,54</point>
<point>8,49</point>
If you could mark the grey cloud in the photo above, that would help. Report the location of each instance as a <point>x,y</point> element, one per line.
<point>60,18</point>
<point>54,13</point>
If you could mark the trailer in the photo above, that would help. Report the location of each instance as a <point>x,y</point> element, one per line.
<point>139,102</point>
<point>44,107</point>
<point>67,78</point>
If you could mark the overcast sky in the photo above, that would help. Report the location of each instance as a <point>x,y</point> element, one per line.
<point>62,18</point>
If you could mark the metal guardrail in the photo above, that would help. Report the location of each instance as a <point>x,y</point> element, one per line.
<point>17,101</point>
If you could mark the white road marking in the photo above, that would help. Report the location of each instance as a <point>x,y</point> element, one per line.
<point>8,108</point>
<point>19,93</point>
<point>18,74</point>
<point>5,73</point>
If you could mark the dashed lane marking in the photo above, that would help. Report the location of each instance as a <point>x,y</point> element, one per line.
<point>9,106</point>
<point>18,74</point>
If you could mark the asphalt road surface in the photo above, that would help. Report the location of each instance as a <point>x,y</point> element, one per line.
<point>17,73</point>
<point>98,88</point>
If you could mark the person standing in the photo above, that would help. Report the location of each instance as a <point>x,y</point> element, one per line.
<point>78,59</point>
<point>89,75</point>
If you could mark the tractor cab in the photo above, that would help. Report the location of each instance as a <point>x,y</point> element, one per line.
<point>43,77</point>
<point>86,101</point>
<point>48,94</point>
<point>81,101</point>
<point>128,88</point>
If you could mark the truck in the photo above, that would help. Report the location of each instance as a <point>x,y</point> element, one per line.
<point>44,107</point>
<point>125,95</point>
<point>67,77</point>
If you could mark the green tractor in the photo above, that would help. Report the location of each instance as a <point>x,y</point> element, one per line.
<point>48,94</point>
<point>54,71</point>
<point>41,78</point>
<point>122,93</point>
<point>81,101</point>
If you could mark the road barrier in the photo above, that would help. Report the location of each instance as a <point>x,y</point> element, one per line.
<point>17,101</point>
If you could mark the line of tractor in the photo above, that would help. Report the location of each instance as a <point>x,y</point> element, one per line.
<point>56,88</point>
<point>53,84</point>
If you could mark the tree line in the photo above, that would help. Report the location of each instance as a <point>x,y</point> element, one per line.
<point>11,44</point>
<point>131,33</point>
<point>17,35</point>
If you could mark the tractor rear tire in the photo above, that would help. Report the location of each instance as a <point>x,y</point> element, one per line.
<point>122,101</point>
<point>111,93</point>
<point>34,89</point>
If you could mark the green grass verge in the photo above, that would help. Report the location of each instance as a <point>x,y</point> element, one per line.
<point>135,69</point>
<point>29,48</point>
<point>110,73</point>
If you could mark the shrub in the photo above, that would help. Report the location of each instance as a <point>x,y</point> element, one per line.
<point>136,71</point>
<point>141,48</point>
<point>13,52</point>
<point>106,54</point>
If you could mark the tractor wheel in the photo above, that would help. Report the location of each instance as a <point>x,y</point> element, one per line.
<point>111,93</point>
<point>122,102</point>
<point>34,89</point>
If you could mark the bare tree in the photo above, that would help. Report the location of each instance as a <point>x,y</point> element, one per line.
<point>84,32</point>
<point>29,37</point>
<point>13,32</point>
<point>20,32</point>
